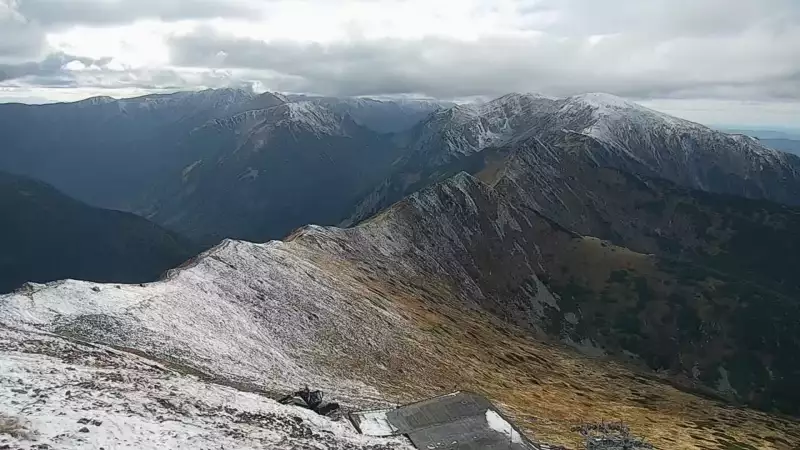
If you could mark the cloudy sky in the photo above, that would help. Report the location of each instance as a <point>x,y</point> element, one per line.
<point>715,61</point>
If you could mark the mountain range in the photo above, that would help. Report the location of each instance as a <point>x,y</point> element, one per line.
<point>615,133</point>
<point>439,292</point>
<point>580,257</point>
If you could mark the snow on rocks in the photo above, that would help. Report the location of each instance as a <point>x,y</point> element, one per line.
<point>315,118</point>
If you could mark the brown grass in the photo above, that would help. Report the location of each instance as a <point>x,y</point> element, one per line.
<point>546,387</point>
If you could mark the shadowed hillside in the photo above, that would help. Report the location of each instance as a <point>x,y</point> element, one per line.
<point>47,236</point>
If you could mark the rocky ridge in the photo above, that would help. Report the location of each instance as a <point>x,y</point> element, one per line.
<point>434,280</point>
<point>620,134</point>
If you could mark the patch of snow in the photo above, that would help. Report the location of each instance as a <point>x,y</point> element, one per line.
<point>188,169</point>
<point>603,100</point>
<point>724,383</point>
<point>250,174</point>
<point>571,318</point>
<point>375,423</point>
<point>500,425</point>
<point>586,346</point>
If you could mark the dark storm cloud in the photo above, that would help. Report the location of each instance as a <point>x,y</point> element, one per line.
<point>111,12</point>
<point>757,64</point>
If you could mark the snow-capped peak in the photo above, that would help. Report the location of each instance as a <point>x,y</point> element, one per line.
<point>314,117</point>
<point>609,112</point>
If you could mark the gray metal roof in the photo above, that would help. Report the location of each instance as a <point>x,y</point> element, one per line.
<point>458,421</point>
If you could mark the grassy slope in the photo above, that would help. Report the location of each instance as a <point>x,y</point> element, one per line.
<point>547,387</point>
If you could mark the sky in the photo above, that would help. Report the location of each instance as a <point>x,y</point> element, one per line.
<point>733,62</point>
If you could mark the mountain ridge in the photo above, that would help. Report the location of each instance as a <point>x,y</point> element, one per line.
<point>627,136</point>
<point>365,302</point>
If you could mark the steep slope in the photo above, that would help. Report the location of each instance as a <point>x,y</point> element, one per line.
<point>260,174</point>
<point>411,303</point>
<point>704,327</point>
<point>722,261</point>
<point>48,236</point>
<point>104,151</point>
<point>446,143</point>
<point>624,136</point>
<point>755,239</point>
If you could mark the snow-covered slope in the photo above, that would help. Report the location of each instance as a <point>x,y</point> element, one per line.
<point>306,116</point>
<point>57,393</point>
<point>681,151</point>
<point>239,292</point>
<point>465,129</point>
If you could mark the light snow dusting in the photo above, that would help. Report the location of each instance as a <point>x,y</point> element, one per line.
<point>225,314</point>
<point>314,118</point>
<point>60,394</point>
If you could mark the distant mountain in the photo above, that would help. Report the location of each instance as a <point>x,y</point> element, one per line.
<point>784,145</point>
<point>383,116</point>
<point>105,151</point>
<point>47,236</point>
<point>260,174</point>
<point>109,152</point>
<point>620,134</point>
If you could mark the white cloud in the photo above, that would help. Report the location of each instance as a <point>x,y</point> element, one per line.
<point>710,52</point>
<point>74,66</point>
